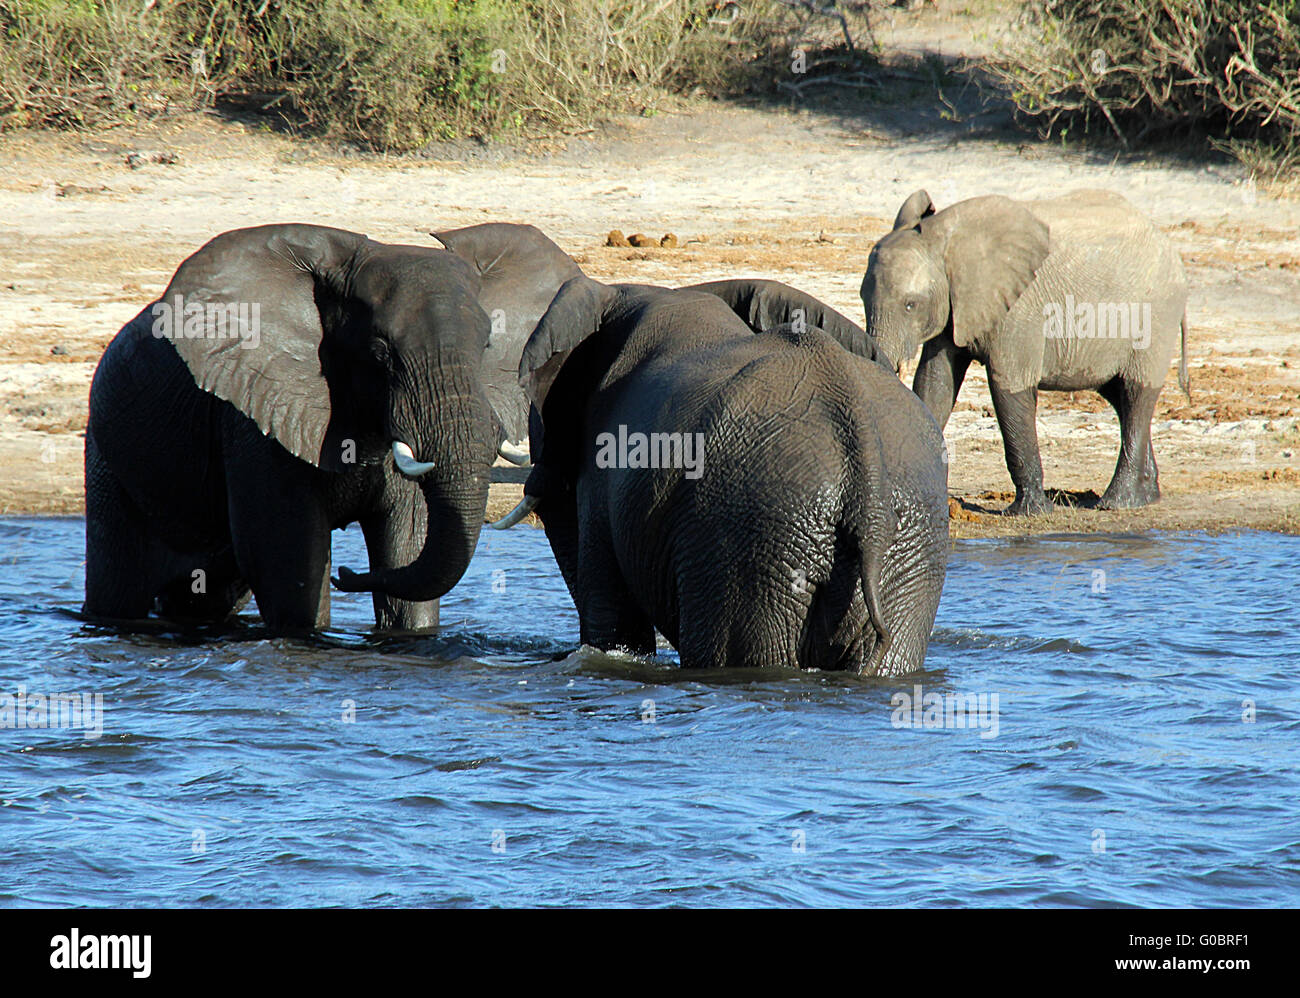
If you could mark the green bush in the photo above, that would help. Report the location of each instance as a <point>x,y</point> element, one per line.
<point>393,73</point>
<point>1225,69</point>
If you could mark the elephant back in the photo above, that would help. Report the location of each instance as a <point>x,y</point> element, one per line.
<point>1107,302</point>
<point>764,305</point>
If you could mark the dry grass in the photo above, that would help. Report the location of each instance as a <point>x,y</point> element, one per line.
<point>392,75</point>
<point>1227,71</point>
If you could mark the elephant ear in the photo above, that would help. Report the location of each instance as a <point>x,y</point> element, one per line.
<point>995,247</point>
<point>243,314</point>
<point>917,206</point>
<point>764,305</point>
<point>575,317</point>
<point>522,271</point>
<point>577,313</point>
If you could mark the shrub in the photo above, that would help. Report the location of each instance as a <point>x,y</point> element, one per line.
<point>75,63</point>
<point>394,73</point>
<point>1225,69</point>
<point>390,74</point>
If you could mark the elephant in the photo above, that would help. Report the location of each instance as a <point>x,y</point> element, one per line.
<point>293,379</point>
<point>765,304</point>
<point>1075,292</point>
<point>762,497</point>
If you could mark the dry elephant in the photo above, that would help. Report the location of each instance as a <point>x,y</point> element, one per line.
<point>1076,292</point>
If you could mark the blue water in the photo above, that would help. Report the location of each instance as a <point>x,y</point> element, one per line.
<point>492,765</point>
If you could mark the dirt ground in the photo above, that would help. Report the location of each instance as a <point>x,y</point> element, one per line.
<point>94,226</point>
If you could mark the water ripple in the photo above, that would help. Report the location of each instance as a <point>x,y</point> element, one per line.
<point>1144,753</point>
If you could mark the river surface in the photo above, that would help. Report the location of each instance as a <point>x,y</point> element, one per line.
<point>1119,725</point>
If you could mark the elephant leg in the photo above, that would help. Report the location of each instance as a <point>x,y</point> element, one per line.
<point>123,558</point>
<point>767,640</point>
<point>210,590</point>
<point>283,550</point>
<point>834,635</point>
<point>281,530</point>
<point>1017,414</point>
<point>939,375</point>
<point>395,535</point>
<point>559,518</point>
<point>1136,479</point>
<point>748,605</point>
<point>609,615</point>
<point>700,645</point>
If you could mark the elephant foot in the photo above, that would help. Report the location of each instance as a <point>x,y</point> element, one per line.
<point>404,615</point>
<point>1029,504</point>
<point>1131,496</point>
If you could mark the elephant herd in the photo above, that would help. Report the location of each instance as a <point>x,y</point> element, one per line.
<point>735,464</point>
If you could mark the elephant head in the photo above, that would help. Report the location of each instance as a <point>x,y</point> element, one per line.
<point>521,271</point>
<point>581,342</point>
<point>577,313</point>
<point>346,351</point>
<point>957,271</point>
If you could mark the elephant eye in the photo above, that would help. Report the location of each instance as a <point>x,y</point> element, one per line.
<point>379,349</point>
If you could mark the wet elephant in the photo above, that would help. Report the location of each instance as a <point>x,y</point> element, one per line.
<point>293,379</point>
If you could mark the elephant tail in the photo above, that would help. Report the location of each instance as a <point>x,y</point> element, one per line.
<point>1184,382</point>
<point>869,518</point>
<point>870,569</point>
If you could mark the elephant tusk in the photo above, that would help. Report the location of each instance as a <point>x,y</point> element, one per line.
<point>525,507</point>
<point>404,457</point>
<point>514,454</point>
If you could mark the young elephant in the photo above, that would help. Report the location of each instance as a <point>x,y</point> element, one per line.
<point>1076,292</point>
<point>763,499</point>
<point>293,379</point>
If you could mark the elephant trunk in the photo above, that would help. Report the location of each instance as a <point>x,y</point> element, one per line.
<point>889,346</point>
<point>455,506</point>
<point>450,461</point>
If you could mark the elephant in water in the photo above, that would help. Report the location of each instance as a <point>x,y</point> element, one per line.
<point>762,498</point>
<point>1076,292</point>
<point>764,305</point>
<point>293,379</point>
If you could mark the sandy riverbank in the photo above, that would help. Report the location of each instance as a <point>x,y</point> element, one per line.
<point>800,196</point>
